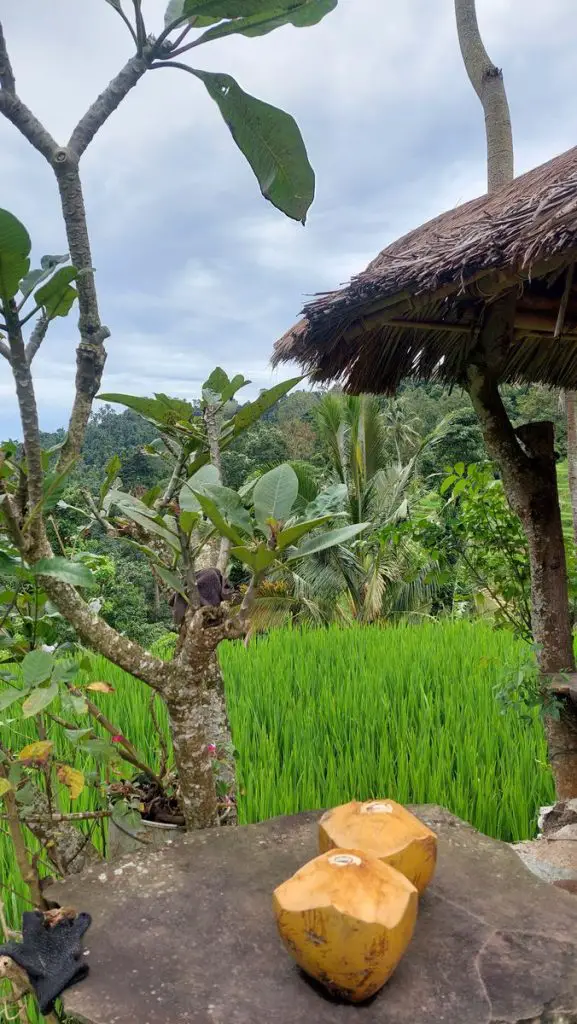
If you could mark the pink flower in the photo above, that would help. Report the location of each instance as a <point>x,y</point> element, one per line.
<point>118,739</point>
<point>211,749</point>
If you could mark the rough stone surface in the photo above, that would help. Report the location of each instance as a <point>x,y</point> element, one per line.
<point>558,816</point>
<point>549,859</point>
<point>553,856</point>
<point>185,935</point>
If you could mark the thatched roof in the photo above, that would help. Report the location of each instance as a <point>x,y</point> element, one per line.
<point>415,309</point>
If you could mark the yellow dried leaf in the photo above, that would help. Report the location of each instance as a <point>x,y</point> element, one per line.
<point>5,787</point>
<point>72,778</point>
<point>38,751</point>
<point>100,687</point>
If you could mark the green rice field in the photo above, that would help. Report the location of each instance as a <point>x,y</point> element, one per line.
<point>324,716</point>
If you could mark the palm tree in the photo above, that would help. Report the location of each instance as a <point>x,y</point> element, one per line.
<point>378,575</point>
<point>401,428</point>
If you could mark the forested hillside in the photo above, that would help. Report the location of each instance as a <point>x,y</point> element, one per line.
<point>294,430</point>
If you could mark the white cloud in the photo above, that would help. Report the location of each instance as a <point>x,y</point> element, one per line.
<point>193,266</point>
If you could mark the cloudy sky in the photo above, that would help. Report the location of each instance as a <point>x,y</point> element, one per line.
<point>194,268</point>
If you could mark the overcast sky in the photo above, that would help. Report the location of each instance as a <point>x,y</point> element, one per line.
<point>194,267</point>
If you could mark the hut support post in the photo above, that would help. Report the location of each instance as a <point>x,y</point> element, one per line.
<point>526,459</point>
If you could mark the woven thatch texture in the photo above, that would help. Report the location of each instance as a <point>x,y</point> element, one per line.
<point>443,272</point>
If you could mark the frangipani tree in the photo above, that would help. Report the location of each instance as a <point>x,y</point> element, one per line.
<point>271,142</point>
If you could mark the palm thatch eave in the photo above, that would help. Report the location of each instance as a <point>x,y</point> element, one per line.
<point>415,310</point>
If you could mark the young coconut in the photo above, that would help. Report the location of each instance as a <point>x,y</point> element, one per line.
<point>347,920</point>
<point>385,830</point>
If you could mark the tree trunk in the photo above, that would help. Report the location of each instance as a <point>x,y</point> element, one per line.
<point>197,710</point>
<point>212,422</point>
<point>156,599</point>
<point>527,461</point>
<point>562,743</point>
<point>487,81</point>
<point>571,408</point>
<point>526,457</point>
<point>188,712</point>
<point>540,513</point>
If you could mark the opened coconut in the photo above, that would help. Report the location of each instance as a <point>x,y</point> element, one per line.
<point>385,830</point>
<point>347,919</point>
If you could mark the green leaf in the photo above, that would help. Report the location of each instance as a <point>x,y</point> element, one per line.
<point>275,14</point>
<point>73,704</point>
<point>259,558</point>
<point>275,494</point>
<point>145,517</point>
<point>39,699</point>
<point>204,477</point>
<point>295,533</point>
<point>27,795</point>
<point>174,12</point>
<point>234,385</point>
<point>76,735</point>
<point>98,748</point>
<point>126,816</point>
<point>64,570</point>
<point>54,485</point>
<point>10,696</point>
<point>14,238</point>
<point>217,381</point>
<point>270,140</point>
<point>112,470</point>
<point>331,499</point>
<point>447,483</point>
<point>188,520</point>
<point>65,671</point>
<point>160,410</point>
<point>37,667</point>
<point>5,787</point>
<point>253,411</point>
<point>47,265</point>
<point>14,252</point>
<point>57,296</point>
<point>211,511</point>
<point>12,269</point>
<point>230,505</point>
<point>16,773</point>
<point>9,566</point>
<point>172,580</point>
<point>328,540</point>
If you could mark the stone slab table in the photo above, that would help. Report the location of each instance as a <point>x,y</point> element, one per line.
<point>185,935</point>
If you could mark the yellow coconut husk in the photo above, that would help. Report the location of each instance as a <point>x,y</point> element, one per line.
<point>385,830</point>
<point>347,920</point>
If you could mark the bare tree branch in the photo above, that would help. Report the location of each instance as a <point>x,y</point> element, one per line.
<point>27,407</point>
<point>10,515</point>
<point>16,111</point>
<point>90,354</point>
<point>4,351</point>
<point>28,125</point>
<point>96,633</point>
<point>36,338</point>
<point>175,479</point>
<point>140,26</point>
<point>487,81</point>
<point>25,866</point>
<point>106,104</point>
<point>212,418</point>
<point>7,80</point>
